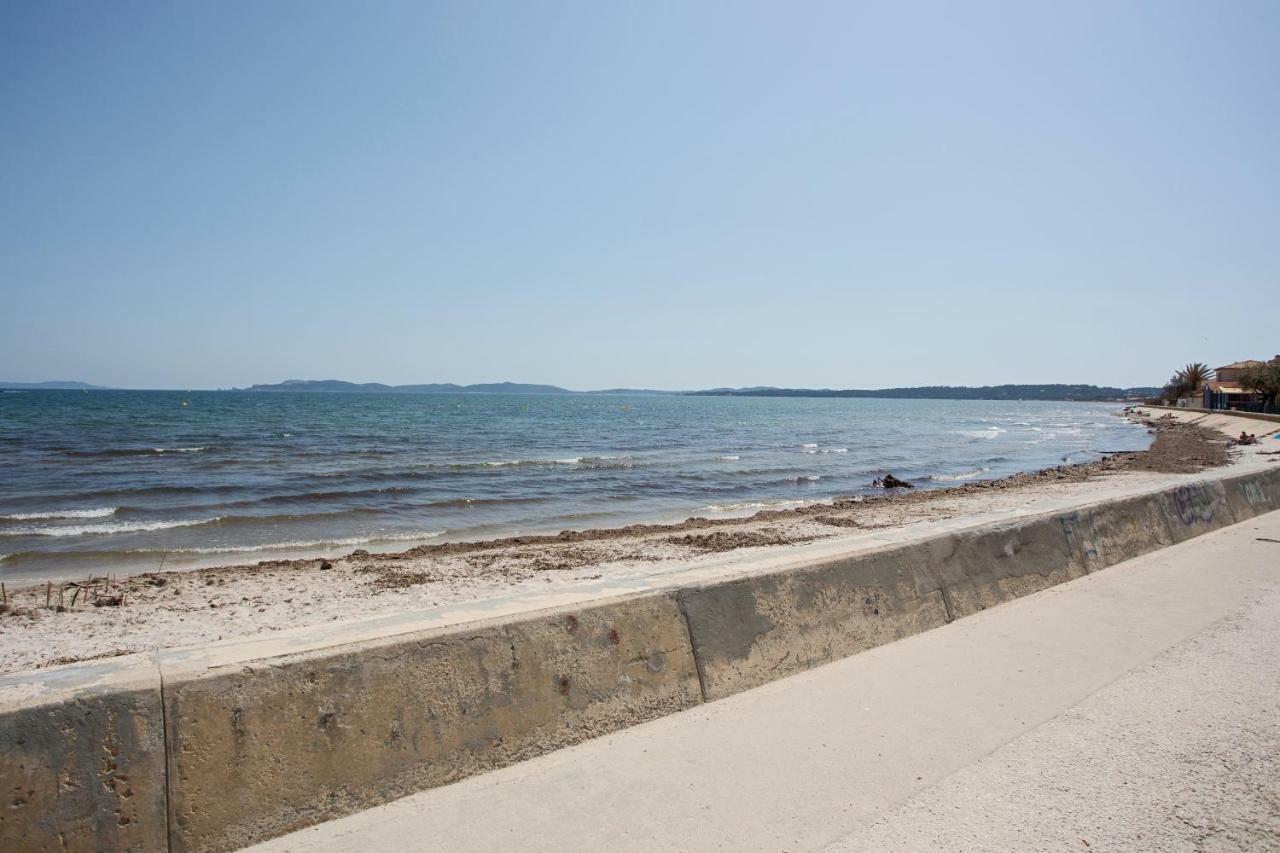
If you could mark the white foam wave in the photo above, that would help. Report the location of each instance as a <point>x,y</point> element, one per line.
<point>107,528</point>
<point>837,450</point>
<point>746,505</point>
<point>963,475</point>
<point>349,542</point>
<point>988,433</point>
<point>727,458</point>
<point>584,461</point>
<point>508,463</point>
<point>807,446</point>
<point>178,449</point>
<point>99,512</point>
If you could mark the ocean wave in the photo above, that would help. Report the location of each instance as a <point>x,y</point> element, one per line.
<point>100,512</point>
<point>477,502</point>
<point>132,451</point>
<point>805,478</point>
<point>302,545</point>
<point>441,470</point>
<point>728,458</point>
<point>808,446</point>
<point>746,505</point>
<point>107,529</point>
<point>578,461</point>
<point>963,475</point>
<point>987,433</point>
<point>292,517</point>
<point>309,497</point>
<point>517,463</point>
<point>347,542</point>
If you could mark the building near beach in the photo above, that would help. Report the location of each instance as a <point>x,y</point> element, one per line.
<point>1226,392</point>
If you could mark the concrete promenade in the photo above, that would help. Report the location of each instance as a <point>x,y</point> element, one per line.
<point>1133,708</point>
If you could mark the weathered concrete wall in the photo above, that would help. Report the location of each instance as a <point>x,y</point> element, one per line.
<point>1197,508</point>
<point>982,568</point>
<point>1254,416</point>
<point>1250,496</point>
<point>82,758</point>
<point>1111,533</point>
<point>748,631</point>
<point>259,748</point>
<point>245,741</point>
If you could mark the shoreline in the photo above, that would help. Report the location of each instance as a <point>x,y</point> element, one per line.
<point>199,606</point>
<point>203,488</point>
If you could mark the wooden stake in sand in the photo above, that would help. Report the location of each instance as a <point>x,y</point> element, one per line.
<point>48,592</point>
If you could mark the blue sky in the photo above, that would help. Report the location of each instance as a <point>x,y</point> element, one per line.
<point>655,195</point>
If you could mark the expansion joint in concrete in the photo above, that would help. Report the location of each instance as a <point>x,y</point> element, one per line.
<point>946,602</point>
<point>693,649</point>
<point>166,782</point>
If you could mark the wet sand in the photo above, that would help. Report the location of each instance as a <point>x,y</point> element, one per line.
<point>107,617</point>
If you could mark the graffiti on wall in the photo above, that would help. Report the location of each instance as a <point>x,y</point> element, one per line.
<point>1194,504</point>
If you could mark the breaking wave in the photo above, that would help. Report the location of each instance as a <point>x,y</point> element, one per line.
<point>100,512</point>
<point>106,529</point>
<point>963,475</point>
<point>132,451</point>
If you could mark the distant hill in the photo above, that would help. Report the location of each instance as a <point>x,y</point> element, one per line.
<point>1070,393</point>
<point>50,386</point>
<point>337,385</point>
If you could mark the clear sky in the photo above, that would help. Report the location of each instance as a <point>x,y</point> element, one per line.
<point>637,194</point>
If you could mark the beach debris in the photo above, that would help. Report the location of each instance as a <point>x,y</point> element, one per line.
<point>325,565</point>
<point>108,601</point>
<point>731,540</point>
<point>888,481</point>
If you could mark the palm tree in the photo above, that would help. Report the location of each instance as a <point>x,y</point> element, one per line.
<point>1195,375</point>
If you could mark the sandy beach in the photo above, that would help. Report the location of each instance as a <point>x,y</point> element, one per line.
<point>456,581</point>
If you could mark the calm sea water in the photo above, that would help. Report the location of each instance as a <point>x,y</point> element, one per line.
<point>118,481</point>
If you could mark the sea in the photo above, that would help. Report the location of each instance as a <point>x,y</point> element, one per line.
<point>105,482</point>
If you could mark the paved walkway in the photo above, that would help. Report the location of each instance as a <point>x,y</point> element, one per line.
<point>1137,708</point>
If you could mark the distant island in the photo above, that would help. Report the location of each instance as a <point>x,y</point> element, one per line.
<point>50,386</point>
<point>1068,393</point>
<point>1060,393</point>
<point>337,385</point>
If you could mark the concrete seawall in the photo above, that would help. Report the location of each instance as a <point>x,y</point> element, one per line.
<point>1229,413</point>
<point>213,749</point>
